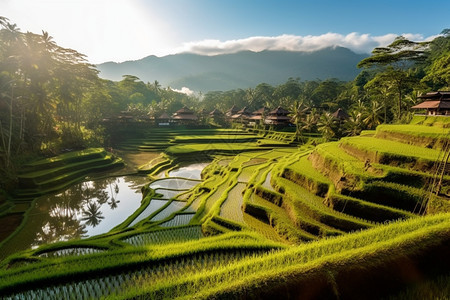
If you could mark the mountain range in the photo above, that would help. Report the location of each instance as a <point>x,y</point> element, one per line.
<point>238,70</point>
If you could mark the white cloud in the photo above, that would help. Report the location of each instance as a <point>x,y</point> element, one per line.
<point>184,90</point>
<point>359,43</point>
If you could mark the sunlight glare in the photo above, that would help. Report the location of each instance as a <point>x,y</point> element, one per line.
<point>126,28</point>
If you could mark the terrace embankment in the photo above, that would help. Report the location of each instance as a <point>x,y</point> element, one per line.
<point>55,173</point>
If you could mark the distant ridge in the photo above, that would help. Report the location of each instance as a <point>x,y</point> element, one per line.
<point>239,70</point>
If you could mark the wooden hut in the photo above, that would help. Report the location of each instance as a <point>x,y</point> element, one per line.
<point>278,116</point>
<point>184,116</point>
<point>242,115</point>
<point>163,120</point>
<point>259,115</point>
<point>340,114</point>
<point>435,103</point>
<point>232,111</point>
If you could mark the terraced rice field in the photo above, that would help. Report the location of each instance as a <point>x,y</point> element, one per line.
<point>338,220</point>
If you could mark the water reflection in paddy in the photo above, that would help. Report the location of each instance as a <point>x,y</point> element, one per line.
<point>192,171</point>
<point>95,207</point>
<point>174,184</point>
<point>83,210</point>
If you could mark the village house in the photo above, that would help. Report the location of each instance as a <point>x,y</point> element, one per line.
<point>184,116</point>
<point>242,116</point>
<point>435,103</point>
<point>258,116</point>
<point>163,120</point>
<point>278,116</point>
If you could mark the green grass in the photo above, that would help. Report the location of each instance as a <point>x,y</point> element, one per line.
<point>306,265</point>
<point>244,272</point>
<point>217,138</point>
<point>390,152</point>
<point>194,149</point>
<point>306,203</point>
<point>438,121</point>
<point>424,136</point>
<point>366,210</point>
<point>60,160</point>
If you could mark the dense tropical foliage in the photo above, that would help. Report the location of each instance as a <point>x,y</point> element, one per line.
<point>52,99</point>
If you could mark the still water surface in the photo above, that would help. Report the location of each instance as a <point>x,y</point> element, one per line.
<point>83,210</point>
<point>94,207</point>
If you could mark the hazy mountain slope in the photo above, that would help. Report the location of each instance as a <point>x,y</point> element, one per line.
<point>238,70</point>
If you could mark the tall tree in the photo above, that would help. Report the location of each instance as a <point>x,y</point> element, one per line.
<point>393,62</point>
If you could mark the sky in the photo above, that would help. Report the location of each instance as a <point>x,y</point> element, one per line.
<point>121,30</point>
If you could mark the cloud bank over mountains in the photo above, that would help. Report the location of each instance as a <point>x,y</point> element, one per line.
<point>358,43</point>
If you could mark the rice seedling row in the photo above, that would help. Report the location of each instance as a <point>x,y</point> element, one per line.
<point>70,252</point>
<point>154,206</point>
<point>170,235</point>
<point>231,208</point>
<point>335,253</point>
<point>173,207</point>
<point>179,220</point>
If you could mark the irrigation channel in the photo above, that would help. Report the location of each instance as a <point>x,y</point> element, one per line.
<point>95,207</point>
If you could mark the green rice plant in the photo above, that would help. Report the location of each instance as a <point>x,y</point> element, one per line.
<point>162,236</point>
<point>70,251</point>
<point>171,208</point>
<point>183,151</point>
<point>309,204</point>
<point>390,152</point>
<point>108,286</point>
<point>437,121</point>
<point>333,161</point>
<point>419,135</point>
<point>63,159</point>
<point>303,174</point>
<point>278,218</point>
<point>217,138</point>
<point>57,271</point>
<point>305,265</point>
<point>231,208</point>
<point>181,219</point>
<point>391,194</point>
<point>43,182</point>
<point>364,209</point>
<point>49,173</point>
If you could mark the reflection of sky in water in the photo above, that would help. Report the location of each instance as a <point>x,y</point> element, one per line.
<point>168,194</point>
<point>174,206</point>
<point>192,171</point>
<point>129,197</point>
<point>173,183</point>
<point>72,213</point>
<point>104,203</point>
<point>151,208</point>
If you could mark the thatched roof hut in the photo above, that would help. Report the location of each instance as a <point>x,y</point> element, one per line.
<point>435,103</point>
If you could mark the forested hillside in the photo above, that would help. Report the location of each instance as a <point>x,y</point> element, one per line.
<point>239,70</point>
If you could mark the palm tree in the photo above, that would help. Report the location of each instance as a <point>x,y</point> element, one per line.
<point>156,87</point>
<point>354,124</point>
<point>326,125</point>
<point>298,109</point>
<point>310,122</point>
<point>373,115</point>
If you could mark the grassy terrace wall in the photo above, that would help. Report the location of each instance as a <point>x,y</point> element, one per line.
<point>418,135</point>
<point>54,173</point>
